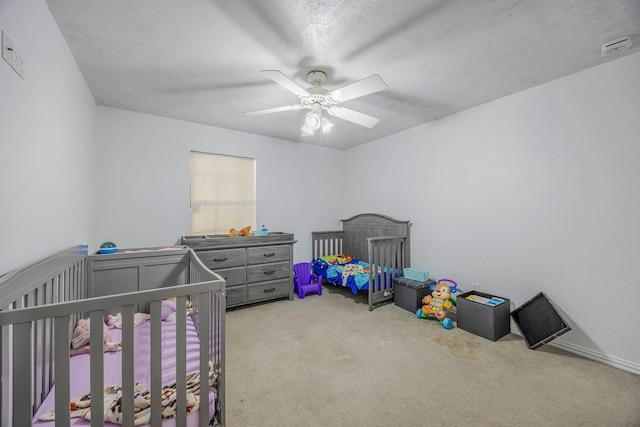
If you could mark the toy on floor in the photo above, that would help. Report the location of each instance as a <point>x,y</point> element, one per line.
<point>439,302</point>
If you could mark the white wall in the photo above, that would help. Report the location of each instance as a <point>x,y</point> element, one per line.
<point>46,132</point>
<point>538,191</point>
<point>143,179</point>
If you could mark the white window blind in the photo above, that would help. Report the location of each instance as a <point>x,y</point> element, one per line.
<point>223,193</point>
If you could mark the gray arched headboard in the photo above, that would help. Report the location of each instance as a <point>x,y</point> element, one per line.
<point>359,228</point>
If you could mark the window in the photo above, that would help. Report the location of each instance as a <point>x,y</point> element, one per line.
<point>223,193</point>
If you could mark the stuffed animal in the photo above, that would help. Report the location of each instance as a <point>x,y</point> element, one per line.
<point>169,309</point>
<point>438,303</point>
<point>115,320</point>
<point>80,340</point>
<point>242,232</point>
<point>245,231</point>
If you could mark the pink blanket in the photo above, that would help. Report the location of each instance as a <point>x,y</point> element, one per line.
<point>79,366</point>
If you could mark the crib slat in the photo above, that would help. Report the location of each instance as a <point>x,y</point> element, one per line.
<point>127,366</point>
<point>156,364</point>
<point>40,382</point>
<point>61,355</point>
<point>181,361</point>
<point>218,345</point>
<point>203,330</point>
<point>49,337</point>
<point>4,396</point>
<point>97,369</point>
<point>4,392</point>
<point>36,361</point>
<point>21,374</point>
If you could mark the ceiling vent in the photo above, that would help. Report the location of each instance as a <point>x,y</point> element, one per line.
<point>613,46</point>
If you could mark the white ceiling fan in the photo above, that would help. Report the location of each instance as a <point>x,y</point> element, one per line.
<point>317,99</point>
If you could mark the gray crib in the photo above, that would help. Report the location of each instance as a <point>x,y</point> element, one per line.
<point>381,241</point>
<point>41,303</point>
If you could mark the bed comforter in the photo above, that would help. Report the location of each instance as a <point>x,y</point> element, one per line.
<point>343,270</point>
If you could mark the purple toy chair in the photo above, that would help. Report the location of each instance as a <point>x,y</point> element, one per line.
<point>305,281</point>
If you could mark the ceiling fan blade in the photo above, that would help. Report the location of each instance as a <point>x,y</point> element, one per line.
<point>366,86</point>
<point>354,116</point>
<point>273,110</point>
<point>285,82</point>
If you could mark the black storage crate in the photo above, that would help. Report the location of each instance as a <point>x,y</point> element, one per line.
<point>491,322</point>
<point>408,293</point>
<point>539,321</point>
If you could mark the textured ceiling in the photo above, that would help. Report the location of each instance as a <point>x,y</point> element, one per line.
<point>200,60</point>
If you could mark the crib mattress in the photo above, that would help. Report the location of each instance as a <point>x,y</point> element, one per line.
<point>80,368</point>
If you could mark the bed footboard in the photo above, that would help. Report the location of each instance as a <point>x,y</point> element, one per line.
<point>39,307</point>
<point>326,243</point>
<point>387,259</point>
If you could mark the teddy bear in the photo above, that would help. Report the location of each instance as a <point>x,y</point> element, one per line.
<point>242,232</point>
<point>245,231</point>
<point>81,337</point>
<point>438,302</point>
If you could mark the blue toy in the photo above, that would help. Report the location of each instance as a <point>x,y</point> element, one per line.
<point>107,248</point>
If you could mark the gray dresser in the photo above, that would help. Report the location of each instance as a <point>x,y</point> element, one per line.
<point>256,268</point>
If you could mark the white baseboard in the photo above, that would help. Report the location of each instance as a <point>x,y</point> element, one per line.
<point>587,353</point>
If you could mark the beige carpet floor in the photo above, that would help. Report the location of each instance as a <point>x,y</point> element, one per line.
<point>327,361</point>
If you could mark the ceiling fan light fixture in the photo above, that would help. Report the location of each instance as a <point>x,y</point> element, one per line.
<point>307,131</point>
<point>325,125</point>
<point>313,120</point>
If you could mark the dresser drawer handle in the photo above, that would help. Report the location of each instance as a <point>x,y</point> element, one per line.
<point>269,272</point>
<point>268,291</point>
<point>220,259</point>
<point>269,255</point>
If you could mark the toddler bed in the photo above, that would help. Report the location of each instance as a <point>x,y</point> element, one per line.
<point>366,255</point>
<point>154,377</point>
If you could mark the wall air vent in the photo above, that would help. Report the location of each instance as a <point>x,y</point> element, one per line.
<point>613,46</point>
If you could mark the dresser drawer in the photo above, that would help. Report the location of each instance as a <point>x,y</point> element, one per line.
<point>225,258</point>
<point>268,290</point>
<point>233,276</point>
<point>263,272</point>
<point>266,254</point>
<point>236,295</point>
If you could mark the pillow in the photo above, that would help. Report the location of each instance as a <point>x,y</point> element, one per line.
<point>337,259</point>
<point>168,307</point>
